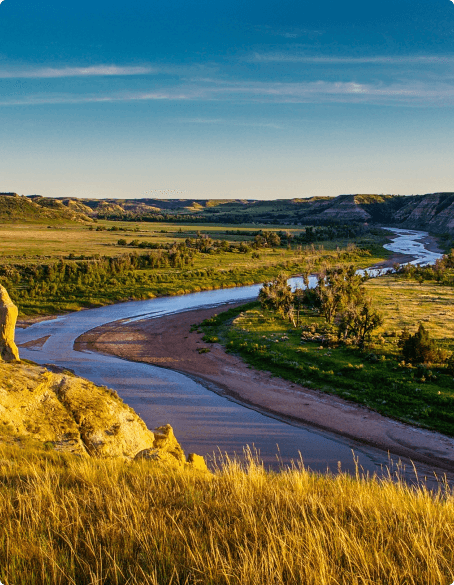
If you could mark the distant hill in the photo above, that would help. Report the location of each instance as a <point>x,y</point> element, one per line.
<point>433,212</point>
<point>37,209</point>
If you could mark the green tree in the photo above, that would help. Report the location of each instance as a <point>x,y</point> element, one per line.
<point>419,348</point>
<point>336,288</point>
<point>359,319</point>
<point>277,295</point>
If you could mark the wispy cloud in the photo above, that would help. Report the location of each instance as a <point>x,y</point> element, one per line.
<point>408,93</point>
<point>289,57</point>
<point>43,99</point>
<point>104,70</point>
<point>96,70</point>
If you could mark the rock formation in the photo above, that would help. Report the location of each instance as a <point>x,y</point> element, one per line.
<point>74,415</point>
<point>8,316</point>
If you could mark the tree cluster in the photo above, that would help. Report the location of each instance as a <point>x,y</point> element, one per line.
<point>338,296</point>
<point>440,271</point>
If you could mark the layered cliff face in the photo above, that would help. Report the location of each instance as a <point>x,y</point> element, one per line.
<point>74,415</point>
<point>434,212</point>
<point>342,209</point>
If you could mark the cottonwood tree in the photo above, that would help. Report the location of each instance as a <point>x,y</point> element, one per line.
<point>336,288</point>
<point>277,295</point>
<point>359,319</point>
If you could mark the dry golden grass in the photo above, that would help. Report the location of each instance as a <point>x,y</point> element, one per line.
<point>58,240</point>
<point>65,520</point>
<point>405,303</point>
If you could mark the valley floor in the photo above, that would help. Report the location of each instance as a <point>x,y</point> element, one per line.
<point>168,342</point>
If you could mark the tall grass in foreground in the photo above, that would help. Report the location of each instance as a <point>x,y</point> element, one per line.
<point>67,520</point>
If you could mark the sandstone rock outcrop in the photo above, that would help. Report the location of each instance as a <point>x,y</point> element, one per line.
<point>76,416</point>
<point>165,447</point>
<point>8,317</point>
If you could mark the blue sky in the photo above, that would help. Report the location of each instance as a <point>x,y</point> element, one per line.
<point>230,99</point>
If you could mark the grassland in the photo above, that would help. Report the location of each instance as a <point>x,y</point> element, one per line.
<point>65,521</point>
<point>45,241</point>
<point>25,250</point>
<point>376,376</point>
<point>407,302</point>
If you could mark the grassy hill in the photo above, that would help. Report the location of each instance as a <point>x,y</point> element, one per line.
<point>15,208</point>
<point>314,210</point>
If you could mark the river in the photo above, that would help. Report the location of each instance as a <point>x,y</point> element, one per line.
<point>204,421</point>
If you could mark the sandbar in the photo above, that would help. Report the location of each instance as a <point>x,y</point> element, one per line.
<point>167,342</point>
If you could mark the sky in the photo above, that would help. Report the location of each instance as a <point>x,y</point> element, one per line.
<point>227,99</point>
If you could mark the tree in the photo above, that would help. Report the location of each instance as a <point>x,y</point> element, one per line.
<point>299,298</point>
<point>277,295</point>
<point>336,288</point>
<point>359,319</point>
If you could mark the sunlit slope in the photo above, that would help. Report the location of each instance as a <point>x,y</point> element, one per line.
<point>433,212</point>
<point>19,209</point>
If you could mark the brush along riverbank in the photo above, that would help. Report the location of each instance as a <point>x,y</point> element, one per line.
<point>51,270</point>
<point>67,520</point>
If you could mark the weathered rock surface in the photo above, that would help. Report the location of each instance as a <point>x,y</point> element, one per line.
<point>434,212</point>
<point>8,317</point>
<point>76,416</point>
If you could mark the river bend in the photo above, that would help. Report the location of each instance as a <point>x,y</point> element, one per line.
<point>204,421</point>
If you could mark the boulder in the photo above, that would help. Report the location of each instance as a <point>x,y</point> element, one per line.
<point>8,317</point>
<point>165,448</point>
<point>70,414</point>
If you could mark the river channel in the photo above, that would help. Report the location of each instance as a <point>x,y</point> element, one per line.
<point>204,420</point>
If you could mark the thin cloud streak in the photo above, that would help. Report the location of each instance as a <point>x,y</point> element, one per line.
<point>379,60</point>
<point>109,71</point>
<point>411,93</point>
<point>231,123</point>
<point>97,70</point>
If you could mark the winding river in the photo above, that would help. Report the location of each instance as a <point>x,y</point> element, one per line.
<point>204,420</point>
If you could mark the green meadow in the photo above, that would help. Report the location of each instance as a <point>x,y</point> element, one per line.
<point>376,375</point>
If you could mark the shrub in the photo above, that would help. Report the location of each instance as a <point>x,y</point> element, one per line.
<point>419,348</point>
